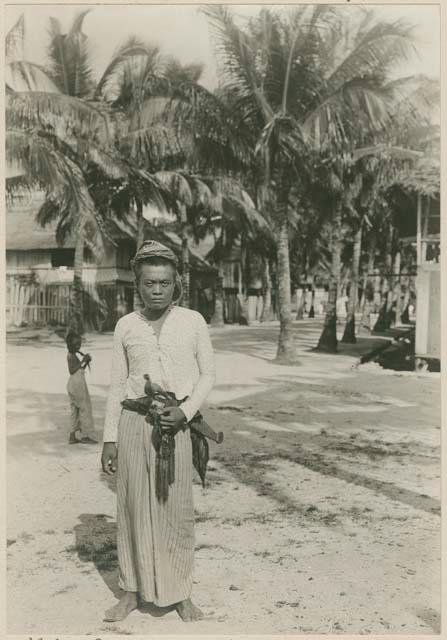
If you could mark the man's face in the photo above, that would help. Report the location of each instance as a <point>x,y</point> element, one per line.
<point>156,285</point>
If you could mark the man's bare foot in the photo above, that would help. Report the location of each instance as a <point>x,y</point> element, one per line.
<point>127,603</point>
<point>188,611</point>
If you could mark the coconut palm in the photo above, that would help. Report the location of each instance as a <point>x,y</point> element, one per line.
<point>189,194</point>
<point>178,129</point>
<point>57,137</point>
<point>235,219</point>
<point>378,167</point>
<point>296,80</point>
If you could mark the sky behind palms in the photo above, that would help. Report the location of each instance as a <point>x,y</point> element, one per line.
<point>183,31</point>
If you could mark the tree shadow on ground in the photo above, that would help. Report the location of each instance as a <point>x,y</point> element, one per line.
<point>95,538</point>
<point>306,337</point>
<point>264,337</point>
<point>95,544</point>
<point>362,346</point>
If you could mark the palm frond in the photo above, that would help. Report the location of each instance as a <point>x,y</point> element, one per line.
<point>178,185</point>
<point>23,75</point>
<point>57,56</point>
<point>64,114</point>
<point>236,54</point>
<point>15,40</point>
<point>376,50</point>
<point>359,99</point>
<point>151,190</point>
<point>124,59</point>
<point>176,72</point>
<point>150,136</point>
<point>191,127</point>
<point>68,56</point>
<point>384,150</point>
<point>63,181</point>
<point>416,102</point>
<point>76,27</point>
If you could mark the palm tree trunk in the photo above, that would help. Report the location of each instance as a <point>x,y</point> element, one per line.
<point>137,304</point>
<point>377,290</point>
<point>384,320</point>
<point>75,321</point>
<point>267,314</point>
<point>328,339</point>
<point>301,303</point>
<point>185,258</point>
<point>312,297</point>
<point>217,319</point>
<point>365,304</point>
<point>286,352</point>
<point>140,223</point>
<point>349,332</point>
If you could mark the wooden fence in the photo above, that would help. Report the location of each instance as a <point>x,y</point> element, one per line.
<point>35,304</point>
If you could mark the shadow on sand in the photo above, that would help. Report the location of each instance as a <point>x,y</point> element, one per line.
<point>95,542</point>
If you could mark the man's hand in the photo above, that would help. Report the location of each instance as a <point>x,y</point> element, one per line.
<point>172,419</point>
<point>109,458</point>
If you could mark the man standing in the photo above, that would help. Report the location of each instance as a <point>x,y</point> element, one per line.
<point>172,345</point>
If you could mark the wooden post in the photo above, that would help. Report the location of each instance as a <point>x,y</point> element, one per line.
<point>397,288</point>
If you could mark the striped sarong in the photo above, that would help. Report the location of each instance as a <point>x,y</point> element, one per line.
<point>155,539</point>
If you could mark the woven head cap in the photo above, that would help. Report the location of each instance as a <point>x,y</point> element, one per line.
<point>154,249</point>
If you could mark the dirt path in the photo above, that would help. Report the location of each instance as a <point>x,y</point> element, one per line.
<point>321,513</point>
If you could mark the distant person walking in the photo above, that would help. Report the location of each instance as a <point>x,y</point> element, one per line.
<point>80,403</point>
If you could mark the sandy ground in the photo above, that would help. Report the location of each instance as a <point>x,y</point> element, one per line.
<point>321,512</point>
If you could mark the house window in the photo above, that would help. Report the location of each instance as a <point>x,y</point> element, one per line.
<point>62,257</point>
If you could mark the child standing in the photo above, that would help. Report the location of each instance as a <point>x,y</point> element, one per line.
<point>80,403</point>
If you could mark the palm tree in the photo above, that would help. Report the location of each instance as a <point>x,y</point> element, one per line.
<point>183,133</point>
<point>190,194</point>
<point>378,165</point>
<point>296,81</point>
<point>57,137</point>
<point>169,120</point>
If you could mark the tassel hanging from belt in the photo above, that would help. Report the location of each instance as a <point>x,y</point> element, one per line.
<point>151,406</point>
<point>164,466</point>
